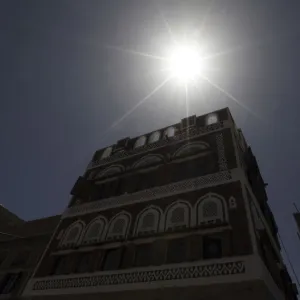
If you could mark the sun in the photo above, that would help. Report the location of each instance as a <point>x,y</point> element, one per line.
<point>185,62</point>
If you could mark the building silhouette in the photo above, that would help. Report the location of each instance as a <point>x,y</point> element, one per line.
<point>179,212</point>
<point>21,245</point>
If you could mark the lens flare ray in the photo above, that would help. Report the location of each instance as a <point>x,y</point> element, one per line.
<point>230,96</point>
<point>129,112</point>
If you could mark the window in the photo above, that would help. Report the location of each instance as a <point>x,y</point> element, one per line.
<point>72,235</point>
<point>83,264</point>
<point>212,248</point>
<point>95,230</point>
<point>112,259</point>
<point>191,149</point>
<point>177,251</point>
<point>106,153</point>
<point>119,226</point>
<point>148,160</point>
<point>154,137</point>
<point>9,282</point>
<point>141,141</point>
<point>211,119</point>
<point>143,255</point>
<point>110,171</point>
<point>211,209</point>
<point>148,221</point>
<point>178,216</point>
<point>169,132</point>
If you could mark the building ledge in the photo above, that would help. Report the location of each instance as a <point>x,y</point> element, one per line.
<point>226,270</point>
<point>154,193</point>
<point>192,132</point>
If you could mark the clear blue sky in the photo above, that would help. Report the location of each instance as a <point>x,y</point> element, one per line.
<point>62,86</point>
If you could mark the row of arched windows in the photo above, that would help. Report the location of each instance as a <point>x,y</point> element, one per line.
<point>209,209</point>
<point>143,140</point>
<point>157,135</point>
<point>153,159</point>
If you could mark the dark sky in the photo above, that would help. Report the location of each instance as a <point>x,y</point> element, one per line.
<point>63,85</point>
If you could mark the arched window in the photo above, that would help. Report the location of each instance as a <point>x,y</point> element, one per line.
<point>211,209</point>
<point>72,234</point>
<point>119,226</point>
<point>106,153</point>
<point>191,149</point>
<point>211,119</point>
<point>112,170</point>
<point>94,231</point>
<point>148,160</point>
<point>178,216</point>
<point>169,132</point>
<point>154,137</point>
<point>148,221</point>
<point>141,141</point>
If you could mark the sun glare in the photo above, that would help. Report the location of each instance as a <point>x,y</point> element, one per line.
<point>185,63</point>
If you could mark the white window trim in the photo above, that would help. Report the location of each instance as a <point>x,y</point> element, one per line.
<point>222,207</point>
<point>102,173</point>
<point>106,153</point>
<point>187,211</point>
<point>122,215</point>
<point>148,157</point>
<point>166,135</point>
<point>158,216</point>
<point>210,116</point>
<point>154,134</point>
<point>202,147</point>
<point>64,242</point>
<point>136,144</point>
<point>100,237</point>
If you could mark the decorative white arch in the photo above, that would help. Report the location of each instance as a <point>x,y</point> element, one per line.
<point>95,230</point>
<point>154,137</point>
<point>148,221</point>
<point>106,153</point>
<point>111,170</point>
<point>211,119</point>
<point>148,160</point>
<point>72,234</point>
<point>118,227</point>
<point>178,215</point>
<point>170,132</point>
<point>211,209</point>
<point>141,141</point>
<point>191,149</point>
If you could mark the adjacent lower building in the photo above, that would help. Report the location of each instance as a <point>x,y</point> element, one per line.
<point>21,246</point>
<point>178,212</point>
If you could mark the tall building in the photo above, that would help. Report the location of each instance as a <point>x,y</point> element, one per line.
<point>177,213</point>
<point>21,245</point>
